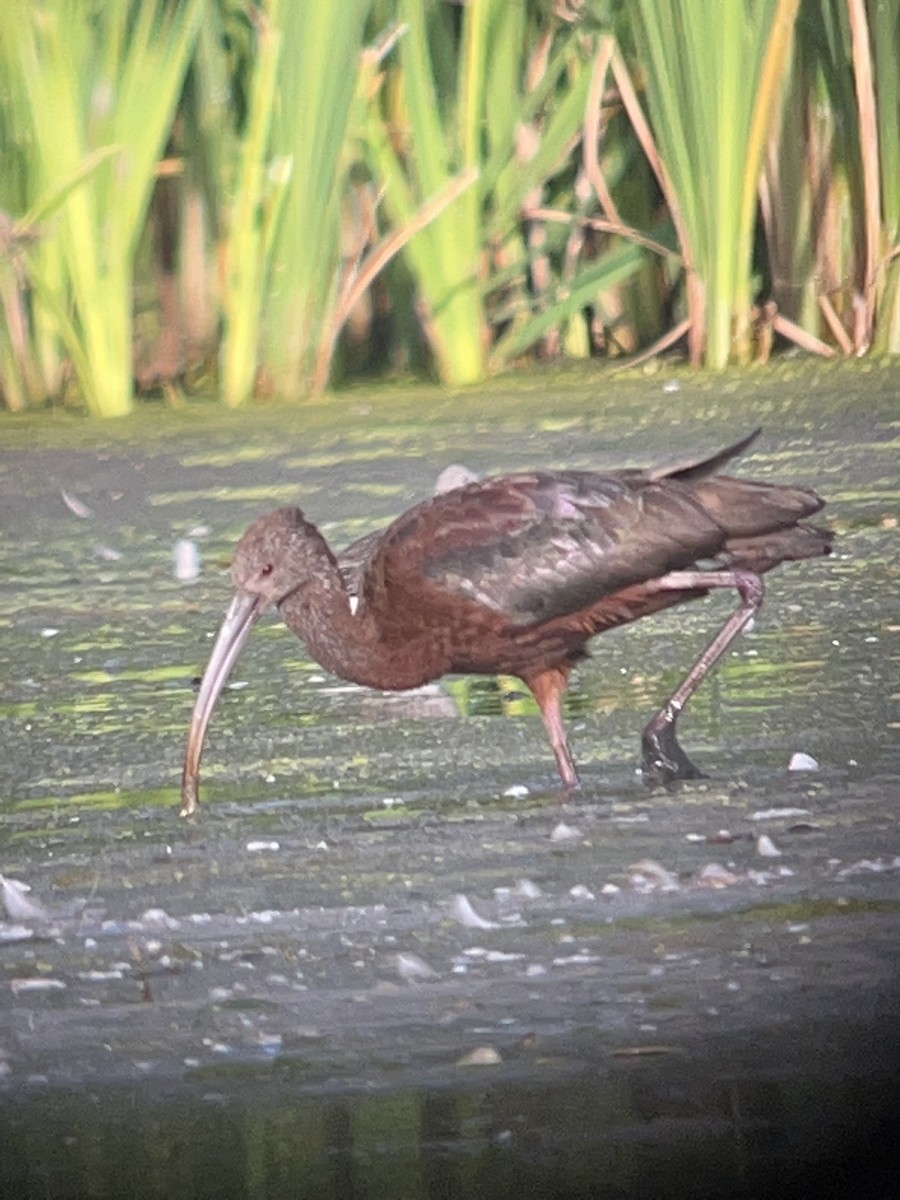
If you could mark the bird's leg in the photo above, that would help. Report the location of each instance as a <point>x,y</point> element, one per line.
<point>548,688</point>
<point>663,760</point>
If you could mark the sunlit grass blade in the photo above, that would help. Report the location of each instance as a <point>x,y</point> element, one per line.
<point>714,76</point>
<point>320,68</point>
<point>95,79</point>
<point>257,197</point>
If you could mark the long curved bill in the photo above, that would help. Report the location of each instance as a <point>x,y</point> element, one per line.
<point>243,613</point>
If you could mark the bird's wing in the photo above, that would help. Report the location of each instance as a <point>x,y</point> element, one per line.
<point>536,546</point>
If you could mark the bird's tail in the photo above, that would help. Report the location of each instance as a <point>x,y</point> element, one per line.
<point>689,472</point>
<point>765,551</point>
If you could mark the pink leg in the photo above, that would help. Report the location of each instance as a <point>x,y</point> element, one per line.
<point>548,688</point>
<point>663,759</point>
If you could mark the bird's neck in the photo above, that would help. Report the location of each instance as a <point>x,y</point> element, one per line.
<point>344,642</point>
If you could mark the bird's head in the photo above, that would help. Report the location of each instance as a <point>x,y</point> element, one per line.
<point>269,560</point>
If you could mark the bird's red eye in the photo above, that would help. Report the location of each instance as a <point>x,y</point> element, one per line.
<point>267,570</point>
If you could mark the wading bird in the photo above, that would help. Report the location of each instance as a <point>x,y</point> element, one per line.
<point>514,575</point>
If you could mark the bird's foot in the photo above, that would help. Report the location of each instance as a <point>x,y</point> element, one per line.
<point>662,758</point>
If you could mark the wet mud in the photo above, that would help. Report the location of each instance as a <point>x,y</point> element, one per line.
<point>389,958</point>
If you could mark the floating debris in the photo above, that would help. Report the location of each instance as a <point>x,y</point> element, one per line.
<point>517,792</point>
<point>802,762</point>
<point>563,832</point>
<point>15,933</point>
<point>581,892</point>
<point>18,906</point>
<point>723,837</point>
<point>454,476</point>
<point>75,506</point>
<point>412,968</point>
<point>650,876</point>
<point>878,865</point>
<point>714,875</point>
<point>36,985</point>
<point>502,956</point>
<point>187,561</point>
<point>159,916</point>
<point>461,910</point>
<point>260,847</point>
<point>526,890</point>
<point>640,1051</point>
<point>779,814</point>
<point>481,1056</point>
<point>766,847</point>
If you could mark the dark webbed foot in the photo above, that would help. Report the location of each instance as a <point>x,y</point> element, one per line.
<point>662,758</point>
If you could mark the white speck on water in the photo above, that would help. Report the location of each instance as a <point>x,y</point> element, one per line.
<point>526,890</point>
<point>517,791</point>
<point>714,875</point>
<point>877,865</point>
<point>481,1056</point>
<point>563,832</point>
<point>186,555</point>
<point>610,889</point>
<point>15,933</point>
<point>649,875</point>
<point>766,847</point>
<point>462,911</point>
<point>777,814</point>
<point>259,847</point>
<point>802,762</point>
<point>49,632</point>
<point>18,986</point>
<point>158,916</point>
<point>581,892</point>
<point>18,906</point>
<point>411,967</point>
<point>75,506</point>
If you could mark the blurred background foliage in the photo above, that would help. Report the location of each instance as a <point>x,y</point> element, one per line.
<point>260,198</point>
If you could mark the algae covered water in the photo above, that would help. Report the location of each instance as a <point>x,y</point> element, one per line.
<point>387,960</point>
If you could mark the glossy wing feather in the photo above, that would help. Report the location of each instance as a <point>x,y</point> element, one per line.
<point>536,546</point>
